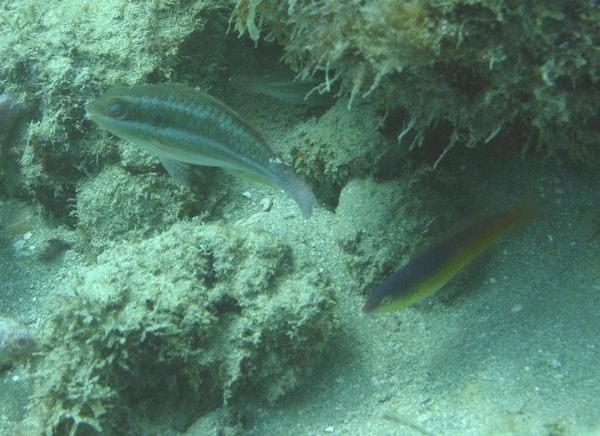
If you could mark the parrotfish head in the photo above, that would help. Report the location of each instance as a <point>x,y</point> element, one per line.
<point>124,113</point>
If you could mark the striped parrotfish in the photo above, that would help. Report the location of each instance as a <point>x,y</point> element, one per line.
<point>184,127</point>
<point>283,87</point>
<point>433,267</point>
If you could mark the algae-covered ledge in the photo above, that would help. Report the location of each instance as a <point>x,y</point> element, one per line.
<point>528,70</point>
<point>59,55</point>
<point>202,313</point>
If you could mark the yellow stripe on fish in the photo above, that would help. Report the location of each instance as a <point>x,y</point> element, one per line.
<point>432,268</point>
<point>184,127</point>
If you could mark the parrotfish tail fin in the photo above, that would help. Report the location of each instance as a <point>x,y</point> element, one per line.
<point>295,187</point>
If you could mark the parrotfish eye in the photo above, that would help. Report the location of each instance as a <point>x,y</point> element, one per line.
<point>385,301</point>
<point>116,109</point>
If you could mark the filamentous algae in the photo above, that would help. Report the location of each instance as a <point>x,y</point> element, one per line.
<point>184,127</point>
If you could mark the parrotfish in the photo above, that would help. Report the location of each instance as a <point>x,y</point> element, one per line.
<point>283,87</point>
<point>185,127</point>
<point>433,267</point>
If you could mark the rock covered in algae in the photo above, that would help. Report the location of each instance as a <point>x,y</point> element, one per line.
<point>358,146</point>
<point>182,323</point>
<point>483,65</point>
<point>117,205</point>
<point>377,224</point>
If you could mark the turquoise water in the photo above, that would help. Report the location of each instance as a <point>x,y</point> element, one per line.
<point>220,309</point>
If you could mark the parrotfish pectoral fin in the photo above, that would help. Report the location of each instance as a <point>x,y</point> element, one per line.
<point>180,171</point>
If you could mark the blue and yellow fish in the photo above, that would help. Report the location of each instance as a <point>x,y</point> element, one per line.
<point>433,267</point>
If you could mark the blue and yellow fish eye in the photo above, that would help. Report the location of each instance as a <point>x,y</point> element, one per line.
<point>116,109</point>
<point>386,301</point>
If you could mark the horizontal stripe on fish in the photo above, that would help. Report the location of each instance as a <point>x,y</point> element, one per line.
<point>432,268</point>
<point>184,126</point>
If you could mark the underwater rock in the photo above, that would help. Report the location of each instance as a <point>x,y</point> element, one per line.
<point>197,316</point>
<point>116,204</point>
<point>16,340</point>
<point>337,146</point>
<point>377,224</point>
<point>68,63</point>
<point>221,422</point>
<point>52,247</point>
